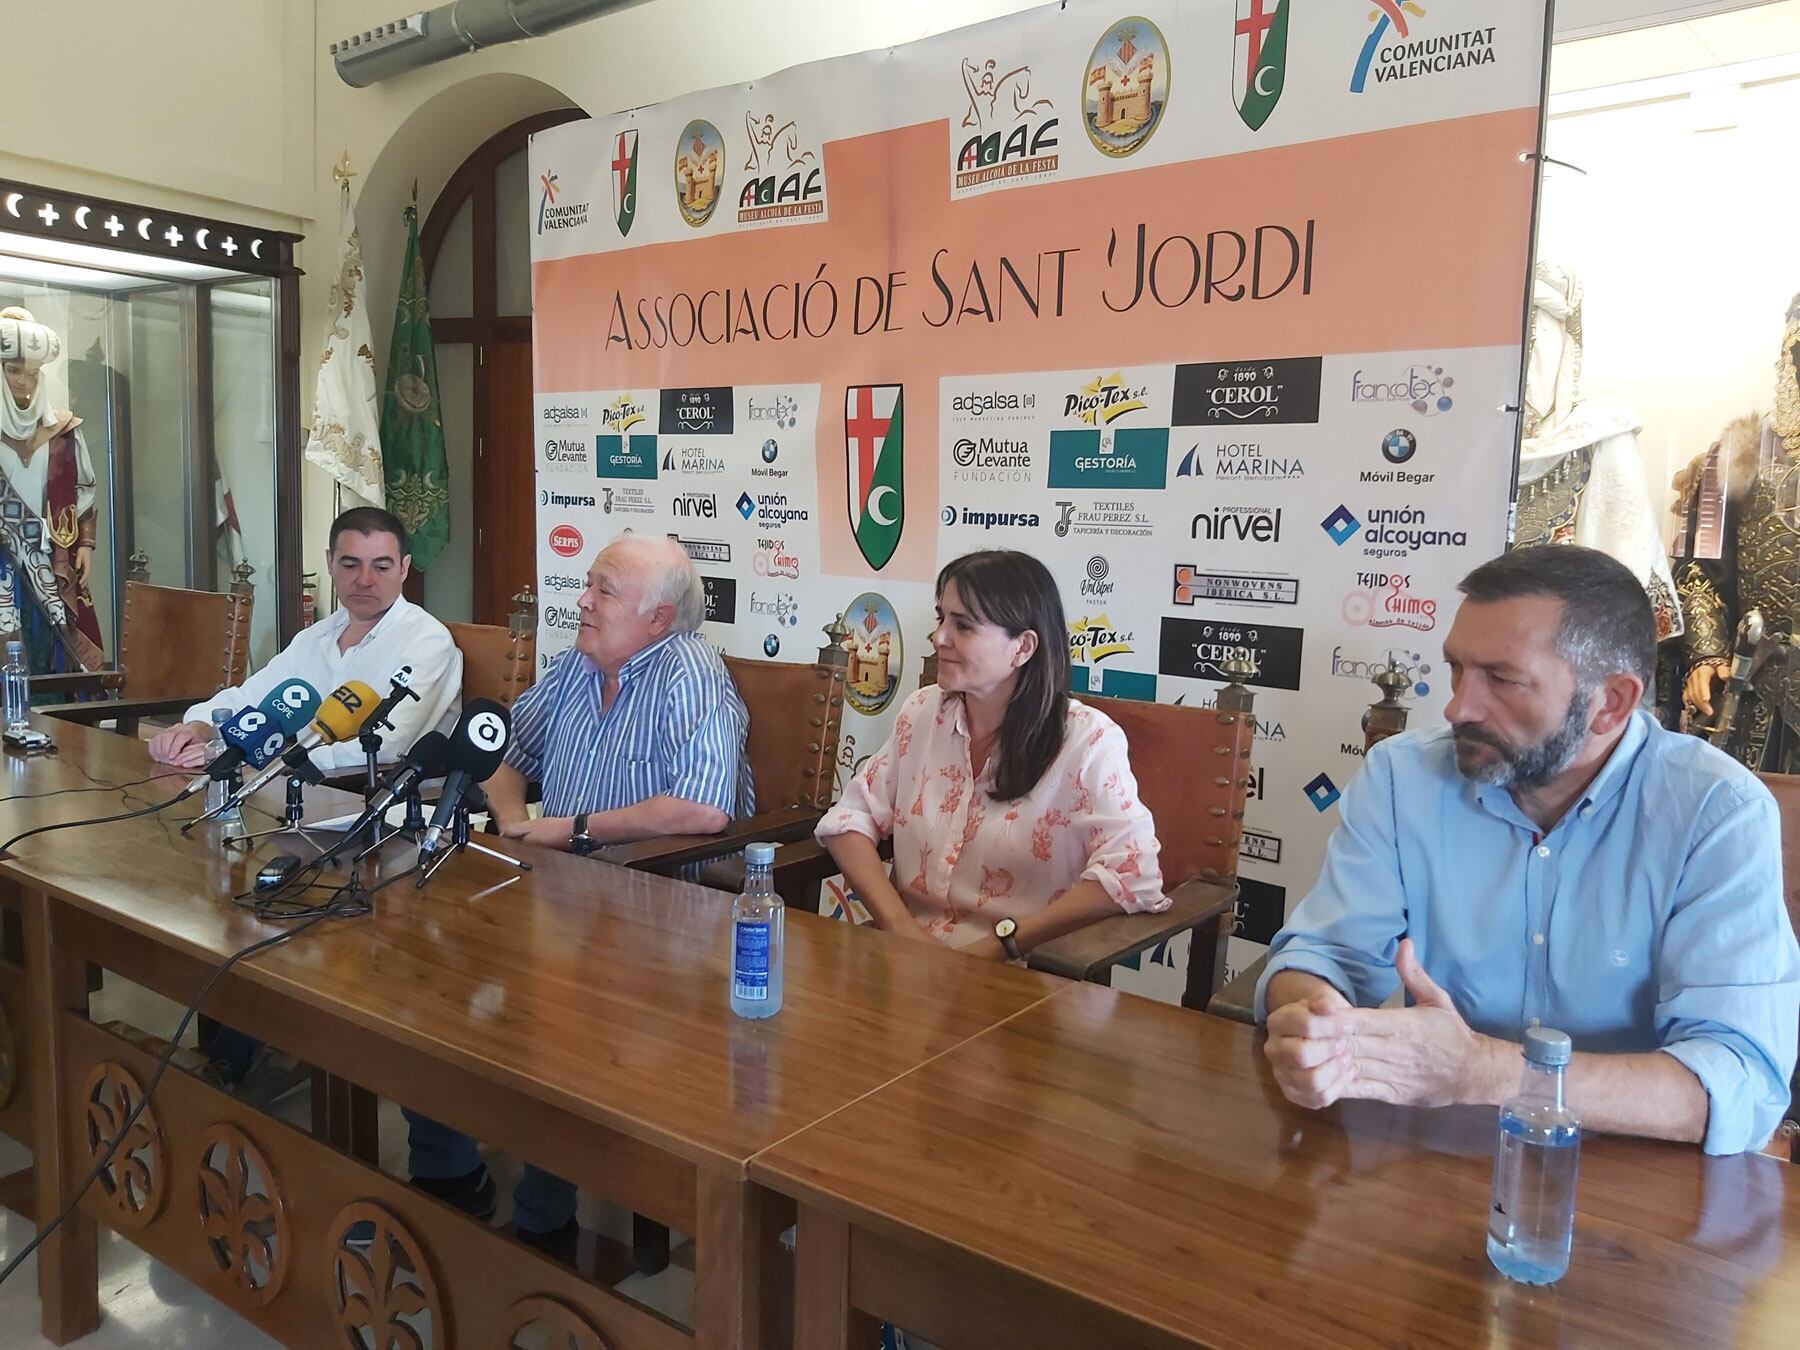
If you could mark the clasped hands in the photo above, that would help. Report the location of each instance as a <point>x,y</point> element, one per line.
<point>1323,1049</point>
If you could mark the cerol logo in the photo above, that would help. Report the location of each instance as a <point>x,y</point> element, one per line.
<point>1009,130</point>
<point>1203,648</point>
<point>565,541</point>
<point>1284,390</point>
<point>786,181</point>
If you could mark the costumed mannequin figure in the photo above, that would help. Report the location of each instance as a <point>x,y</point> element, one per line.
<point>47,509</point>
<point>1581,480</point>
<point>1747,487</point>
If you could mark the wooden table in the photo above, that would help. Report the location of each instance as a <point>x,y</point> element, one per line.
<point>577,1017</point>
<point>1101,1170</point>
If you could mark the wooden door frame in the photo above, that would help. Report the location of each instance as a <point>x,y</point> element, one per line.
<point>473,182</point>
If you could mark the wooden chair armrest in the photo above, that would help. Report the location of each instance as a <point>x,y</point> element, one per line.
<point>67,684</point>
<point>1087,951</point>
<point>1237,1000</point>
<point>668,852</point>
<point>110,709</point>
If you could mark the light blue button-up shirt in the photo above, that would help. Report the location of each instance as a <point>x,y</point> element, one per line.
<point>1650,917</point>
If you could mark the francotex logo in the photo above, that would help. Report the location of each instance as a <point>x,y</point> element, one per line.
<point>1011,130</point>
<point>553,215</point>
<point>1259,64</point>
<point>874,436</point>
<point>624,180</point>
<point>786,181</point>
<point>1127,87</point>
<point>699,171</point>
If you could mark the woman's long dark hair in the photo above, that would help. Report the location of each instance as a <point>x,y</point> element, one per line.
<point>1015,591</point>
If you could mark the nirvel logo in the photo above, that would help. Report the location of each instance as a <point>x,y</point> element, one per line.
<point>1391,52</point>
<point>622,414</point>
<point>1238,525</point>
<point>554,215</point>
<point>786,181</point>
<point>1012,132</point>
<point>1094,582</point>
<point>696,505</point>
<point>1242,459</point>
<point>1104,399</point>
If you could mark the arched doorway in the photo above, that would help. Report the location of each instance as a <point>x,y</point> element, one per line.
<point>475,243</point>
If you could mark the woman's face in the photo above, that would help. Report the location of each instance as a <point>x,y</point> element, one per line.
<point>21,381</point>
<point>974,656</point>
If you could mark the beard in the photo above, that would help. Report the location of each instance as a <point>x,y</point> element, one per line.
<point>1529,766</point>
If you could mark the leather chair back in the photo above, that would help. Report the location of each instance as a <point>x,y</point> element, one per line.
<point>498,663</point>
<point>796,716</point>
<point>178,643</point>
<point>1786,788</point>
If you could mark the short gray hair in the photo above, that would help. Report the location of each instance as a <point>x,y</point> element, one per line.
<point>669,579</point>
<point>1607,624</point>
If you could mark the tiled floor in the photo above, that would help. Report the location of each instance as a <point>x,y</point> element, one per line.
<point>144,1304</point>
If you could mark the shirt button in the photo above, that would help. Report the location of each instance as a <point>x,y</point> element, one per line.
<point>1537,939</point>
<point>1535,1022</point>
<point>1543,850</point>
<point>1587,810</point>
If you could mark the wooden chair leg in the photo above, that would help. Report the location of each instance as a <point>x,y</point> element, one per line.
<point>1206,962</point>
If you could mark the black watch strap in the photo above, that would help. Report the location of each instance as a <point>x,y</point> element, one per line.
<point>1009,942</point>
<point>578,839</point>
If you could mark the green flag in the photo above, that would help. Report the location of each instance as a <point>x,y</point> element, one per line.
<point>412,432</point>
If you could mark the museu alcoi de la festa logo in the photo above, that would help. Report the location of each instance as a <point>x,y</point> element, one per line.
<point>1010,129</point>
<point>874,471</point>
<point>1126,89</point>
<point>699,171</point>
<point>786,179</point>
<point>1259,59</point>
<point>1393,49</point>
<point>624,180</point>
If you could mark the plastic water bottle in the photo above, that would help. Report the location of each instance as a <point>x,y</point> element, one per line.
<point>757,937</point>
<point>1532,1220</point>
<point>18,688</point>
<point>218,790</point>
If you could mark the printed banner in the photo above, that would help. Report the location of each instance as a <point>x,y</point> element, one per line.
<point>1215,309</point>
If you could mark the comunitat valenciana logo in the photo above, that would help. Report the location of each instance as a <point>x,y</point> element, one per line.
<point>1398,49</point>
<point>555,215</point>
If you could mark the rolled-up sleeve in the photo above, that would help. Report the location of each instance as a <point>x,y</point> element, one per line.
<point>703,735</point>
<point>1123,854</point>
<point>1348,928</point>
<point>1728,974</point>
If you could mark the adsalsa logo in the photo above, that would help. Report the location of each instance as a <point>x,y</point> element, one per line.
<point>565,541</point>
<point>1131,457</point>
<point>786,180</point>
<point>1011,131</point>
<point>699,171</point>
<point>1259,59</point>
<point>1392,51</point>
<point>1200,649</point>
<point>625,456</point>
<point>554,215</point>
<point>1283,390</point>
<point>1004,405</point>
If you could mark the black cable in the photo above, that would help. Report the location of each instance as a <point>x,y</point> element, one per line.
<point>91,820</point>
<point>162,1064</point>
<point>97,787</point>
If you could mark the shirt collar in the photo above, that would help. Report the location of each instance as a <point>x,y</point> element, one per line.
<point>634,664</point>
<point>1607,783</point>
<point>340,620</point>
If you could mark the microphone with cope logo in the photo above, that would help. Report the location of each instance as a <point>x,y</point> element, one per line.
<point>476,748</point>
<point>340,718</point>
<point>258,733</point>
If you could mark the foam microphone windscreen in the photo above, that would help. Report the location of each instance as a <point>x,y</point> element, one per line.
<point>343,713</point>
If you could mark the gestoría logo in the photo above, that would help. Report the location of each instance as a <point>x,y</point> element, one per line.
<point>1281,391</point>
<point>1424,389</point>
<point>1259,59</point>
<point>1131,457</point>
<point>1012,130</point>
<point>625,456</point>
<point>699,171</point>
<point>1392,51</point>
<point>1200,648</point>
<point>786,180</point>
<point>565,541</point>
<point>698,412</point>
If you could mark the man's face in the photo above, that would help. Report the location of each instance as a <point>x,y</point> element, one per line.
<point>367,570</point>
<point>1516,708</point>
<point>22,381</point>
<point>612,630</point>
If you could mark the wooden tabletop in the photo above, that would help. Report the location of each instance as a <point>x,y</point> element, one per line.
<point>587,986</point>
<point>1142,1157</point>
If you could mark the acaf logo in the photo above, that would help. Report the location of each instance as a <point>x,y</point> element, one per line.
<point>786,180</point>
<point>1013,131</point>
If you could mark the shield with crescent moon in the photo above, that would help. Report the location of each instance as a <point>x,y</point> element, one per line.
<point>1259,59</point>
<point>874,471</point>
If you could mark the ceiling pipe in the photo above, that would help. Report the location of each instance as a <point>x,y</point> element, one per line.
<point>430,36</point>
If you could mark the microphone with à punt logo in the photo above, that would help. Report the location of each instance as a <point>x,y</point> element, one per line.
<point>476,748</point>
<point>258,733</point>
<point>340,718</point>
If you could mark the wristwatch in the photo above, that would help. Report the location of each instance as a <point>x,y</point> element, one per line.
<point>1006,931</point>
<point>581,842</point>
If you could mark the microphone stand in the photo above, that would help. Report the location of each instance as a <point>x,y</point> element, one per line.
<point>399,690</point>
<point>294,808</point>
<point>460,840</point>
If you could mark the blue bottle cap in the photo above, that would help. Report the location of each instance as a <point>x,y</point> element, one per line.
<point>1548,1046</point>
<point>759,855</point>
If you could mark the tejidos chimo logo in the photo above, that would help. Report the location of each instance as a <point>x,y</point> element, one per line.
<point>699,171</point>
<point>874,469</point>
<point>1259,59</point>
<point>624,180</point>
<point>786,180</point>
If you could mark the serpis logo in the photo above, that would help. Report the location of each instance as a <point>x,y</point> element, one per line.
<point>565,541</point>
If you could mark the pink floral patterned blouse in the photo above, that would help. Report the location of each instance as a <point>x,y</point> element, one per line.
<point>963,861</point>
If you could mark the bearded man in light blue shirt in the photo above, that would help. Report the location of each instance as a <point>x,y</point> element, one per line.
<point>1553,857</point>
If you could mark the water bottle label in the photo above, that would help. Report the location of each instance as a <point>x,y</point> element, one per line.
<point>750,960</point>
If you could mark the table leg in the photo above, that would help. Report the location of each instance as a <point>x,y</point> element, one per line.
<point>823,1317</point>
<point>730,1260</point>
<point>68,1260</point>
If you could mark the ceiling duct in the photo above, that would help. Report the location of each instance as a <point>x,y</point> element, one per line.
<point>433,35</point>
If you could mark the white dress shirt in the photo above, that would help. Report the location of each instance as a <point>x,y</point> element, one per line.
<point>405,636</point>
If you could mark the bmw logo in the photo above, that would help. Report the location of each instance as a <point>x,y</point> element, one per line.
<point>770,450</point>
<point>1398,445</point>
<point>771,645</point>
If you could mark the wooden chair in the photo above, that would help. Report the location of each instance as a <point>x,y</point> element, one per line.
<point>1786,789</point>
<point>176,647</point>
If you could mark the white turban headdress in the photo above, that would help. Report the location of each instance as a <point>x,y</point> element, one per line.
<point>23,338</point>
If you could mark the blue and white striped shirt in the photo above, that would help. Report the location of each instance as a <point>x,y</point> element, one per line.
<point>676,728</point>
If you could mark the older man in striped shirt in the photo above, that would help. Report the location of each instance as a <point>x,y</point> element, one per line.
<point>637,731</point>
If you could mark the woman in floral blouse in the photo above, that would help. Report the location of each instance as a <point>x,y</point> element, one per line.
<point>1006,799</point>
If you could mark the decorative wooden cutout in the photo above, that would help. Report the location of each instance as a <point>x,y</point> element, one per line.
<point>9,1058</point>
<point>550,1323</point>
<point>245,1228</point>
<point>382,1283</point>
<point>135,1181</point>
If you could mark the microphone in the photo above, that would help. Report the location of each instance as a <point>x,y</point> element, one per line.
<point>476,748</point>
<point>429,757</point>
<point>340,718</point>
<point>257,734</point>
<point>399,690</point>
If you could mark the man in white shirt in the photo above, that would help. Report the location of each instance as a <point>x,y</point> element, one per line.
<point>374,633</point>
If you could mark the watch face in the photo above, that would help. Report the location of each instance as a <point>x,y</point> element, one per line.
<point>1005,928</point>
